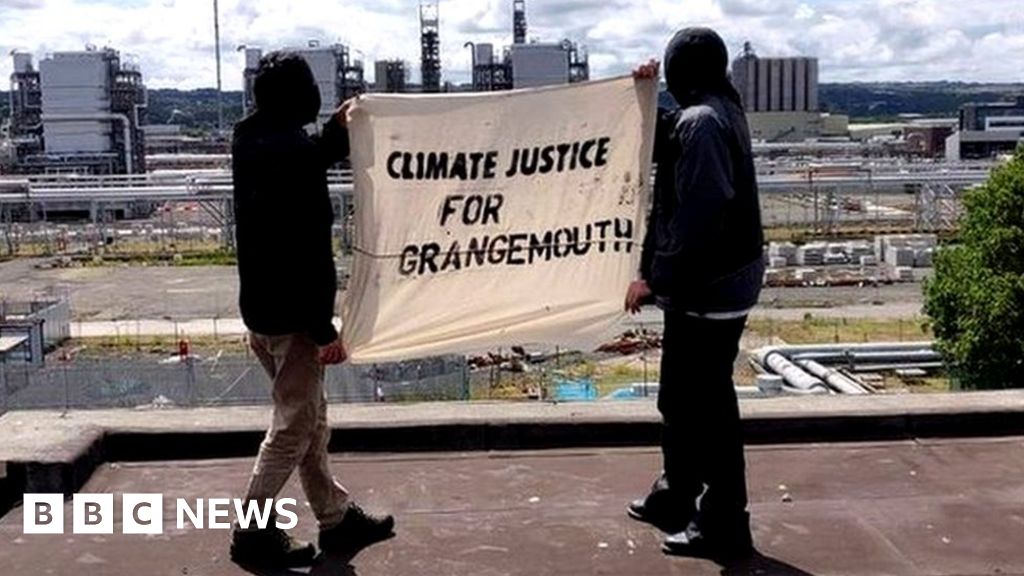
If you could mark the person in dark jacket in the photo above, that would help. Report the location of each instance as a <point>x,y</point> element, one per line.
<point>703,265</point>
<point>284,219</point>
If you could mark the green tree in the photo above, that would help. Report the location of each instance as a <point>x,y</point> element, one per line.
<point>976,297</point>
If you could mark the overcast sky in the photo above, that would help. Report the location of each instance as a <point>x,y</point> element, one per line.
<point>857,40</point>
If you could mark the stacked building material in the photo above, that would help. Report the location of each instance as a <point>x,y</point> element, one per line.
<point>784,250</point>
<point>811,254</point>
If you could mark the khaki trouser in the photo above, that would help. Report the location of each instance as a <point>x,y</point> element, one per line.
<point>299,432</point>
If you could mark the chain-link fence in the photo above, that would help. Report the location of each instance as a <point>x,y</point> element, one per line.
<point>216,382</point>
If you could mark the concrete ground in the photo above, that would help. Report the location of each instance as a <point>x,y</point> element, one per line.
<point>940,507</point>
<point>161,296</point>
<point>117,293</point>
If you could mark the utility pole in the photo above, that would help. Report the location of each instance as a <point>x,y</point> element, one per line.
<point>216,41</point>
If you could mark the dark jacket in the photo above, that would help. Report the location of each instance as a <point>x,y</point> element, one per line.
<point>284,218</point>
<point>704,247</point>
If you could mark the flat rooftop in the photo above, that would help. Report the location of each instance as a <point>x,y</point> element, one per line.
<point>935,507</point>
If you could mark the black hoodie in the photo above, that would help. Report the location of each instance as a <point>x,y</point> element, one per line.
<point>704,247</point>
<point>283,211</point>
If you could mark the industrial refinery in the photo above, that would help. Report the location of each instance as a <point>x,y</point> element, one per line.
<point>527,64</point>
<point>523,64</point>
<point>338,74</point>
<point>79,112</point>
<point>780,96</point>
<point>77,141</point>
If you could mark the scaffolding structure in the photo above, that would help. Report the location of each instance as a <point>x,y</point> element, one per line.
<point>430,45</point>
<point>579,63</point>
<point>490,73</point>
<point>351,75</point>
<point>129,98</point>
<point>26,106</point>
<point>519,27</point>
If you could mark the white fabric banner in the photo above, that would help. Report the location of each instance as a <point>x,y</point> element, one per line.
<point>496,219</point>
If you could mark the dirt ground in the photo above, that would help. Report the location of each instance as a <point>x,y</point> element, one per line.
<point>184,293</point>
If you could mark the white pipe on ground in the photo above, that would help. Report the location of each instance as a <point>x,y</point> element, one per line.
<point>795,377</point>
<point>837,380</point>
<point>802,366</point>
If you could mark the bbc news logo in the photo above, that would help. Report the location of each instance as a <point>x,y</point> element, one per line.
<point>144,513</point>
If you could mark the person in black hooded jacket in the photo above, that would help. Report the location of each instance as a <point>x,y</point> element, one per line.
<point>284,220</point>
<point>703,265</point>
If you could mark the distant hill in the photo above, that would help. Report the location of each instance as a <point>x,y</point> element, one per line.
<point>196,110</point>
<point>882,101</point>
<point>887,101</point>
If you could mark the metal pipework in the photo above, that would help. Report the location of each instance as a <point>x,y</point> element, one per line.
<point>797,380</point>
<point>803,367</point>
<point>834,378</point>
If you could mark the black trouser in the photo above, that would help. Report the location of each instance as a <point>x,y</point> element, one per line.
<point>702,440</point>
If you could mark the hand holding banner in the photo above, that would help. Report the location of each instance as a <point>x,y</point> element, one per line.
<point>487,220</point>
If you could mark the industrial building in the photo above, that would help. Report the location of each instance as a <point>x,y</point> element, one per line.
<point>29,329</point>
<point>776,84</point>
<point>545,64</point>
<point>338,75</point>
<point>927,136</point>
<point>79,112</point>
<point>490,72</point>
<point>527,64</point>
<point>987,130</point>
<point>780,96</point>
<point>913,136</point>
<point>797,126</point>
<point>390,76</point>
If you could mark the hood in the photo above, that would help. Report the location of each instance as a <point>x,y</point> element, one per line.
<point>696,65</point>
<point>285,90</point>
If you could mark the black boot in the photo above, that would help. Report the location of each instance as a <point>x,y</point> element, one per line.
<point>356,531</point>
<point>722,541</point>
<point>662,509</point>
<point>270,547</point>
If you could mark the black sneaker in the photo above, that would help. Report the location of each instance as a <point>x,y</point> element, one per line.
<point>270,547</point>
<point>721,545</point>
<point>357,531</point>
<point>642,511</point>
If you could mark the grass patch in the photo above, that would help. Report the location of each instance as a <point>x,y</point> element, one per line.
<point>130,345</point>
<point>813,330</point>
<point>183,259</point>
<point>606,376</point>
